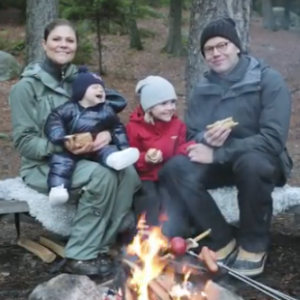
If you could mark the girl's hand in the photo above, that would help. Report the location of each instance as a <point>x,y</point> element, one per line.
<point>154,156</point>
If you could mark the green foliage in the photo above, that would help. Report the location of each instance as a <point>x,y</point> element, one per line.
<point>4,136</point>
<point>85,49</point>
<point>146,33</point>
<point>14,47</point>
<point>109,12</point>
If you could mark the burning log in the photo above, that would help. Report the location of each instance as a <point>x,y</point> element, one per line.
<point>156,287</point>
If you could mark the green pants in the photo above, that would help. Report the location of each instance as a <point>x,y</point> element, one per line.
<point>106,198</point>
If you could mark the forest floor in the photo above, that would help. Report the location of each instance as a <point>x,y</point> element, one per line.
<point>20,271</point>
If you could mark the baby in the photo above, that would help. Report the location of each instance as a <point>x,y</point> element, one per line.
<point>92,109</point>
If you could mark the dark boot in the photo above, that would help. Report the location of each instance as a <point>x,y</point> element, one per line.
<point>82,267</point>
<point>102,266</point>
<point>105,265</point>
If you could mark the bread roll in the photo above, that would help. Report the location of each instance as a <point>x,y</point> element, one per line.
<point>78,140</point>
<point>228,123</point>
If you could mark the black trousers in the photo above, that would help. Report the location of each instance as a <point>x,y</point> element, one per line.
<point>160,209</point>
<point>255,176</point>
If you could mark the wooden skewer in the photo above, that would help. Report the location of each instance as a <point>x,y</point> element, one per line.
<point>42,252</point>
<point>56,248</point>
<point>202,235</point>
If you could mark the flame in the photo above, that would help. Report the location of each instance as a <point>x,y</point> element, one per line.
<point>147,245</point>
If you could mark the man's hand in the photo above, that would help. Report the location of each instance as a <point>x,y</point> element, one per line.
<point>154,156</point>
<point>217,136</point>
<point>102,139</point>
<point>209,259</point>
<point>200,153</point>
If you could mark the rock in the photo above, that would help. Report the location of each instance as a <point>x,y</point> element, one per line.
<point>75,287</point>
<point>9,67</point>
<point>279,18</point>
<point>68,287</point>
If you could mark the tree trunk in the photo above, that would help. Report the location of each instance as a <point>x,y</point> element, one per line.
<point>174,42</point>
<point>38,14</point>
<point>154,3</point>
<point>99,44</point>
<point>287,14</point>
<point>202,12</point>
<point>135,39</point>
<point>268,15</point>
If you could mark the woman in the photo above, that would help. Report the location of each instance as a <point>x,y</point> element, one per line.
<point>105,196</point>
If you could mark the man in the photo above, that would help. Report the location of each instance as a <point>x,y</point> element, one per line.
<point>252,156</point>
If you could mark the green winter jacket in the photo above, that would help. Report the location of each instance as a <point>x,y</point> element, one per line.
<point>31,100</point>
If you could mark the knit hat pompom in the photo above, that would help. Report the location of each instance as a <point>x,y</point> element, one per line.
<point>223,27</point>
<point>83,69</point>
<point>82,82</point>
<point>154,90</point>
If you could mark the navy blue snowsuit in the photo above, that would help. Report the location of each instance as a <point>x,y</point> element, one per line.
<point>71,118</point>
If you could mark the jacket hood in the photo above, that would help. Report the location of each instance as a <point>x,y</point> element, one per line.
<point>137,116</point>
<point>35,71</point>
<point>116,100</point>
<point>245,64</point>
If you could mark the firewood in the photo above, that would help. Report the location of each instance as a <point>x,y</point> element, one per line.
<point>153,285</point>
<point>56,248</point>
<point>42,252</point>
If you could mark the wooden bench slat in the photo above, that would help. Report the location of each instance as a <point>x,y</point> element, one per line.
<point>11,207</point>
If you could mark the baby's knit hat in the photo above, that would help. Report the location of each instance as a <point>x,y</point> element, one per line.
<point>154,90</point>
<point>83,80</point>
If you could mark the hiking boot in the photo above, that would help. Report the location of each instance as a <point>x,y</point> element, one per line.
<point>102,266</point>
<point>250,264</point>
<point>228,254</point>
<point>105,265</point>
<point>82,267</point>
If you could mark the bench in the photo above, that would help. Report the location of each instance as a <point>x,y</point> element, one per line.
<point>16,198</point>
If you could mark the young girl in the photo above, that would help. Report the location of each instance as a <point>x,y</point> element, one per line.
<point>156,131</point>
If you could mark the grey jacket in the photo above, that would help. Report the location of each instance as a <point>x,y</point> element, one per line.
<point>257,97</point>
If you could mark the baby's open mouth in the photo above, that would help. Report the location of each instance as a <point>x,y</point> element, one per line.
<point>99,96</point>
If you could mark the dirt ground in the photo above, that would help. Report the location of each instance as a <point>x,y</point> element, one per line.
<point>20,271</point>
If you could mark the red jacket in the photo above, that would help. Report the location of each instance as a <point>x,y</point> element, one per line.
<point>168,137</point>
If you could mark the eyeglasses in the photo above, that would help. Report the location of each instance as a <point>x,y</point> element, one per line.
<point>221,47</point>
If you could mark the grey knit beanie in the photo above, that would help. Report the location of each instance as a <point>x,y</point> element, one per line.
<point>154,90</point>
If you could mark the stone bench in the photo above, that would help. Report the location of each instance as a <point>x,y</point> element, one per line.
<point>17,198</point>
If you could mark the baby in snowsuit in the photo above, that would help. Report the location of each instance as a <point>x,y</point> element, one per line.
<point>92,109</point>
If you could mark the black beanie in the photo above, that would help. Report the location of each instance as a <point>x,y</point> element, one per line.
<point>224,27</point>
<point>83,80</point>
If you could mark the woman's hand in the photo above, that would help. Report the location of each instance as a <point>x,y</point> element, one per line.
<point>87,148</point>
<point>217,136</point>
<point>102,139</point>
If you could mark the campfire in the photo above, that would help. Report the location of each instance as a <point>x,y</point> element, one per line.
<point>151,274</point>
